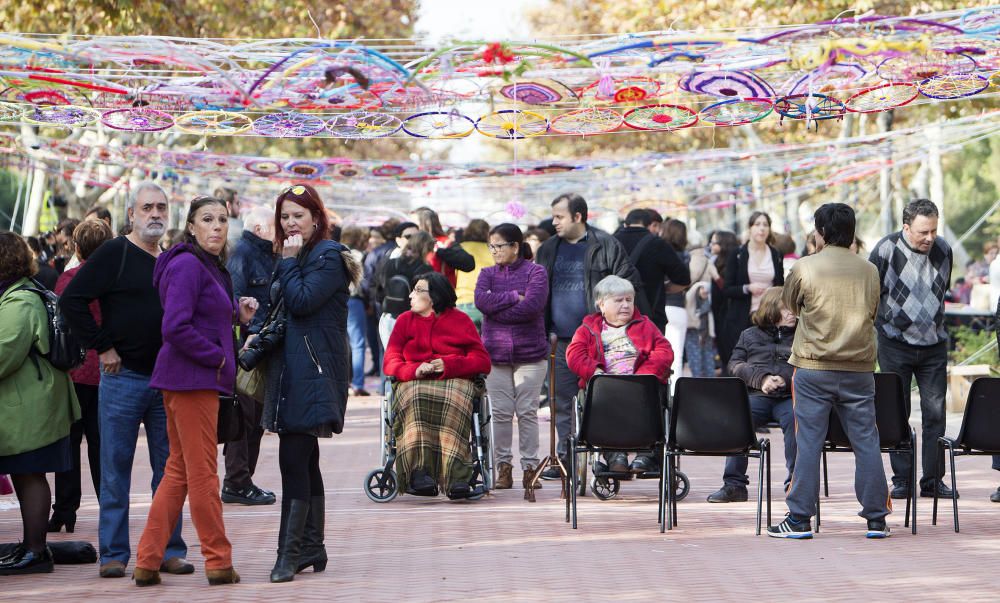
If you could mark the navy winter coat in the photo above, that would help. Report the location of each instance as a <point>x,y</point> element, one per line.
<point>308,374</point>
<point>250,266</point>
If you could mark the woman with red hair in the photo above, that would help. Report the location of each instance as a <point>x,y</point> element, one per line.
<point>308,371</point>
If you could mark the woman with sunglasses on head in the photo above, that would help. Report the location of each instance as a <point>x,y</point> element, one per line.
<point>434,353</point>
<point>308,372</point>
<point>196,364</point>
<point>512,297</point>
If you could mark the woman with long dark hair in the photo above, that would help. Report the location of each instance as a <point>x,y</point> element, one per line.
<point>308,372</point>
<point>511,296</point>
<point>750,271</point>
<point>196,363</point>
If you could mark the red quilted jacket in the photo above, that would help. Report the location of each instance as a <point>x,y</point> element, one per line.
<point>450,336</point>
<point>585,354</point>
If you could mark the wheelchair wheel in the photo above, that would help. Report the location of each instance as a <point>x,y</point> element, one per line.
<point>683,485</point>
<point>605,488</point>
<point>381,487</point>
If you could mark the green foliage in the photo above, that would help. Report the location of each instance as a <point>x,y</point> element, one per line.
<point>972,186</point>
<point>968,342</point>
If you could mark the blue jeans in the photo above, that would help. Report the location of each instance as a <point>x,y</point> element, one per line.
<point>125,401</point>
<point>764,410</point>
<point>356,325</point>
<point>700,358</point>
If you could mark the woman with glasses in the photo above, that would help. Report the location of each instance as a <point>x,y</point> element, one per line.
<point>512,297</point>
<point>434,353</point>
<point>308,371</point>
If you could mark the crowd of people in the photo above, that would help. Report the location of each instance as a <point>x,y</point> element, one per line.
<point>173,321</point>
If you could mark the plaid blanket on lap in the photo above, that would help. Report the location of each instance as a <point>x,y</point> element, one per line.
<point>432,424</point>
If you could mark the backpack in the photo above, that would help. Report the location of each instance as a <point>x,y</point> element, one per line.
<point>65,351</point>
<point>397,295</point>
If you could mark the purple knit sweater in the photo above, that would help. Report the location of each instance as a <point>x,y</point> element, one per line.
<point>513,329</point>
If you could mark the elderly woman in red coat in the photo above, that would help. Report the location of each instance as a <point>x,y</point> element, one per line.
<point>434,352</point>
<point>618,340</point>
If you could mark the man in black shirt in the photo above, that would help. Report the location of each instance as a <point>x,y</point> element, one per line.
<point>656,262</point>
<point>119,275</point>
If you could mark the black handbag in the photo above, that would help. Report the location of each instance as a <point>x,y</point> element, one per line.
<point>232,425</point>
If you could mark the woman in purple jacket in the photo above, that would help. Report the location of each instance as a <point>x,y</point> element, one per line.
<point>512,297</point>
<point>196,363</point>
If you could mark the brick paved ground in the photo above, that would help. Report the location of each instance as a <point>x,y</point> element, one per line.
<point>505,549</point>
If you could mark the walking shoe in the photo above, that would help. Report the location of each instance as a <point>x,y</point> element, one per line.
<point>900,491</point>
<point>359,392</point>
<point>26,561</point>
<point>643,463</point>
<point>943,491</point>
<point>422,484</point>
<point>995,497</point>
<point>251,495</point>
<point>798,530</point>
<point>728,494</point>
<point>877,528</point>
<point>553,472</point>
<point>505,481</point>
<point>618,462</point>
<point>112,569</point>
<point>177,565</point>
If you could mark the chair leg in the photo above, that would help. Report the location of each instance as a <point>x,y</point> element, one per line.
<point>913,480</point>
<point>935,504</point>
<point>769,482</point>
<point>819,515</point>
<point>677,469</point>
<point>826,478</point>
<point>661,511</point>
<point>954,486</point>
<point>572,477</point>
<point>760,483</point>
<point>670,492</point>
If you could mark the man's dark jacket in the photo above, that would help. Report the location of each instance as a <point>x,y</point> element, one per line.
<point>657,262</point>
<point>250,267</point>
<point>604,256</point>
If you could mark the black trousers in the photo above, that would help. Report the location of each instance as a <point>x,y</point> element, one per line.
<point>68,491</point>
<point>241,456</point>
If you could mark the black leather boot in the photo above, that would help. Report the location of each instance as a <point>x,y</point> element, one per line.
<point>294,514</point>
<point>313,552</point>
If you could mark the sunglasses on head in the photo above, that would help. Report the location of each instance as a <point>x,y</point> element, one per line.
<point>296,190</point>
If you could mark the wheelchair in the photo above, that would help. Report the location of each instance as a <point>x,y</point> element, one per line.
<point>381,485</point>
<point>605,484</point>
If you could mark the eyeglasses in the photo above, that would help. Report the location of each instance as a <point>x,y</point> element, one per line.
<point>297,190</point>
<point>497,247</point>
<point>418,290</point>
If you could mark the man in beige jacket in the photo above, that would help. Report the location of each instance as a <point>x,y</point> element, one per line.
<point>835,294</point>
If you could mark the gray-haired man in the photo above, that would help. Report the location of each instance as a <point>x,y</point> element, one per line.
<point>119,276</point>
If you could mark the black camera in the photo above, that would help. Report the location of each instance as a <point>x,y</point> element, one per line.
<point>269,337</point>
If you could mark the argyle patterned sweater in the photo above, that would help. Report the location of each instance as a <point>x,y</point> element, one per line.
<point>911,308</point>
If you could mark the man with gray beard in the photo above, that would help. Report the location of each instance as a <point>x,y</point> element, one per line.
<point>119,276</point>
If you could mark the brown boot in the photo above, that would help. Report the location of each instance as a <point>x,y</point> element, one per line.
<point>222,576</point>
<point>505,481</point>
<point>528,474</point>
<point>145,577</point>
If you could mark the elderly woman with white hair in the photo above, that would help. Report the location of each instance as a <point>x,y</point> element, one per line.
<point>250,266</point>
<point>618,340</point>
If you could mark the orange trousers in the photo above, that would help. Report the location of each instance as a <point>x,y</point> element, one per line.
<point>191,472</point>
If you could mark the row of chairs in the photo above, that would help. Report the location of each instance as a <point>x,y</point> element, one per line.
<point>711,417</point>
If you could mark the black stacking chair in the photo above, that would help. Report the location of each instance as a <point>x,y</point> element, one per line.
<point>979,434</point>
<point>894,434</point>
<point>621,413</point>
<point>711,417</point>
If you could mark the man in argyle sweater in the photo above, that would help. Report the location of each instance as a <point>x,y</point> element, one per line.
<point>914,266</point>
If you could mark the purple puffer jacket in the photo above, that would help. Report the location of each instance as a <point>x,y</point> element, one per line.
<point>197,324</point>
<point>513,329</point>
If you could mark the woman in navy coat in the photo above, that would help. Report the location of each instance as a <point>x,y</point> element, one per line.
<point>309,372</point>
